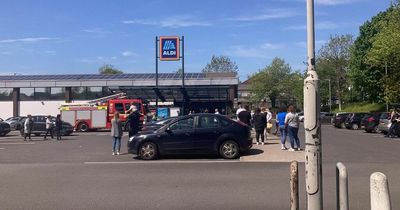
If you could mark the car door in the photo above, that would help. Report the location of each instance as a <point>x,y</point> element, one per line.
<point>39,124</point>
<point>178,136</point>
<point>207,132</point>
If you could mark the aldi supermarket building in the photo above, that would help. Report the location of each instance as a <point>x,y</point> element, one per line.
<point>43,94</point>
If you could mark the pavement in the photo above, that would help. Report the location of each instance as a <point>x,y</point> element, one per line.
<point>271,151</point>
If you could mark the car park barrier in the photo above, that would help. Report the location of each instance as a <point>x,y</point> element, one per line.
<point>294,186</point>
<point>342,189</point>
<point>380,196</point>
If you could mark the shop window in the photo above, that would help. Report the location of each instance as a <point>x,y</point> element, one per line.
<point>78,93</point>
<point>42,93</point>
<point>6,94</point>
<point>27,94</point>
<point>57,93</point>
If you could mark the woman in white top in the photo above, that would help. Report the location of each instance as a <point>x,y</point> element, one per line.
<point>292,123</point>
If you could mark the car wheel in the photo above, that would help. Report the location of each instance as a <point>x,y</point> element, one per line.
<point>229,149</point>
<point>354,126</point>
<point>2,134</point>
<point>148,151</point>
<point>83,127</point>
<point>342,125</point>
<point>376,129</point>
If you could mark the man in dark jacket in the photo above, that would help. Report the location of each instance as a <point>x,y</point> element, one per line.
<point>134,120</point>
<point>245,116</point>
<point>260,122</point>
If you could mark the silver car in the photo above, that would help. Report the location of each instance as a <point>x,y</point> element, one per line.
<point>384,123</point>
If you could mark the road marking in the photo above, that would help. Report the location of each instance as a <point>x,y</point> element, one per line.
<point>2,148</point>
<point>16,143</point>
<point>164,161</point>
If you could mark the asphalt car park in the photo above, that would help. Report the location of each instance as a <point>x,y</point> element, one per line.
<point>79,172</point>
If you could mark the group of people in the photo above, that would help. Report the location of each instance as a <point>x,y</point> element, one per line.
<point>287,122</point>
<point>395,121</point>
<point>50,127</point>
<point>116,127</point>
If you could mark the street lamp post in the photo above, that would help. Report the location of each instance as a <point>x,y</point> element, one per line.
<point>330,95</point>
<point>312,125</point>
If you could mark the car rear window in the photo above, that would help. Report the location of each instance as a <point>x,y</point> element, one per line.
<point>384,116</point>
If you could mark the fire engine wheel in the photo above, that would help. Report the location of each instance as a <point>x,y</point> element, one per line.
<point>83,127</point>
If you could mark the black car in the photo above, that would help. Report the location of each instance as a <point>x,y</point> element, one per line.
<point>156,125</point>
<point>371,123</point>
<point>39,126</point>
<point>194,134</point>
<point>4,128</point>
<point>15,122</point>
<point>353,121</point>
<point>340,119</point>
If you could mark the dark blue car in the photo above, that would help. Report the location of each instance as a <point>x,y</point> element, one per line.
<point>194,134</point>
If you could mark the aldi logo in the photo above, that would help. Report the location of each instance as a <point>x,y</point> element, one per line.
<point>169,48</point>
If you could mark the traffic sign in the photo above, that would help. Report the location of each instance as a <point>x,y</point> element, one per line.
<point>169,48</point>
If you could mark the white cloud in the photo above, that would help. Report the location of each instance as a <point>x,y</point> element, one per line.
<point>333,2</point>
<point>171,22</point>
<point>253,52</point>
<point>325,25</point>
<point>318,43</point>
<point>271,46</point>
<point>27,40</point>
<point>128,54</point>
<point>268,15</point>
<point>98,59</point>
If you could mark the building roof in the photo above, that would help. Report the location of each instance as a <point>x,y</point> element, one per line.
<point>145,79</point>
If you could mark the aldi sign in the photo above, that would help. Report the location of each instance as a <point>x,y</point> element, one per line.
<point>169,48</point>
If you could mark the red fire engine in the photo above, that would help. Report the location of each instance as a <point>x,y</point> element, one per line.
<point>97,114</point>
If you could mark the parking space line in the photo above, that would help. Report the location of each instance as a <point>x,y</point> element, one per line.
<point>2,148</point>
<point>16,143</point>
<point>164,161</point>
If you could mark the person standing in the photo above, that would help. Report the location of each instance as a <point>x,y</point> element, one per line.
<point>58,126</point>
<point>282,128</point>
<point>216,111</point>
<point>393,121</point>
<point>28,124</point>
<point>269,124</point>
<point>134,121</point>
<point>240,109</point>
<point>260,121</point>
<point>292,122</point>
<point>245,116</point>
<point>116,133</point>
<point>49,127</point>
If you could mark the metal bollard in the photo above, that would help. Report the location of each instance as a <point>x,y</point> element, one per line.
<point>342,188</point>
<point>294,186</point>
<point>380,196</point>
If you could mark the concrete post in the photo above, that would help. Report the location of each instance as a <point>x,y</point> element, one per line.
<point>312,125</point>
<point>15,100</point>
<point>342,189</point>
<point>294,186</point>
<point>380,196</point>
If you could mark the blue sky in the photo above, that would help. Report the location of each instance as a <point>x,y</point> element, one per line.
<point>79,36</point>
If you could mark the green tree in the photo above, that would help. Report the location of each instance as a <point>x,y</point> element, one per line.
<point>109,69</point>
<point>277,81</point>
<point>221,64</point>
<point>333,64</point>
<point>367,79</point>
<point>385,52</point>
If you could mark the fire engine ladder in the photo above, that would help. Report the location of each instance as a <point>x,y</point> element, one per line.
<point>103,99</point>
